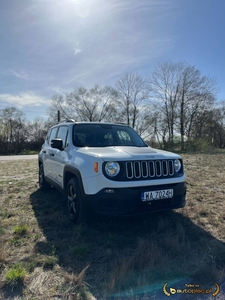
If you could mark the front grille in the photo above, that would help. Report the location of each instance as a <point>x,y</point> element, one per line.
<point>149,169</point>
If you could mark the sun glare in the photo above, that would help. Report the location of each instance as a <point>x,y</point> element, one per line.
<point>80,7</point>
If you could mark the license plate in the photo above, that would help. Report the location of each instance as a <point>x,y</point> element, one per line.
<point>157,195</point>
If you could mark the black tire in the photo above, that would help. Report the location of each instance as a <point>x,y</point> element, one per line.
<point>43,184</point>
<point>75,203</point>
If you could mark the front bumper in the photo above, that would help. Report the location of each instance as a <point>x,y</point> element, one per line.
<point>127,201</point>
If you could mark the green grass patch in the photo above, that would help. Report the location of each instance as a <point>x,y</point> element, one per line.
<point>20,230</point>
<point>28,152</point>
<point>15,274</point>
<point>17,241</point>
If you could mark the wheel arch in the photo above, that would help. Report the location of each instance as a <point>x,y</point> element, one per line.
<point>40,162</point>
<point>70,172</point>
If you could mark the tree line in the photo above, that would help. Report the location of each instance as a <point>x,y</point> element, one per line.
<point>175,108</point>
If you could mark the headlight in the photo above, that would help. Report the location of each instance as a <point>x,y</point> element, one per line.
<point>112,168</point>
<point>177,165</point>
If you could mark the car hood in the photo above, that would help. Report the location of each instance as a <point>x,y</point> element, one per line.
<point>127,153</point>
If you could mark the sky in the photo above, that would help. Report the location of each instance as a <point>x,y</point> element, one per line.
<point>53,46</point>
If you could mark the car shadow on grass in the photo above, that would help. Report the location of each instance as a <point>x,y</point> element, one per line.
<point>145,257</point>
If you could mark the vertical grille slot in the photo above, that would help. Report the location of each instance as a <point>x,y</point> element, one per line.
<point>171,167</point>
<point>164,168</point>
<point>144,169</point>
<point>129,170</point>
<point>151,169</point>
<point>158,168</point>
<point>137,169</point>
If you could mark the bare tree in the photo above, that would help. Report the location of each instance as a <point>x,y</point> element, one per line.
<point>165,85</point>
<point>219,126</point>
<point>133,95</point>
<point>12,130</point>
<point>94,104</point>
<point>210,126</point>
<point>180,92</point>
<point>37,130</point>
<point>197,94</point>
<point>59,104</point>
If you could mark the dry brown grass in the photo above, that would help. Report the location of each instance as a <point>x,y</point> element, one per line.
<point>112,258</point>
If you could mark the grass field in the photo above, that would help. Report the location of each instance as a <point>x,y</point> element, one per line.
<point>44,256</point>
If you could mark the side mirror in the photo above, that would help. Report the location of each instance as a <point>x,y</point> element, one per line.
<point>57,144</point>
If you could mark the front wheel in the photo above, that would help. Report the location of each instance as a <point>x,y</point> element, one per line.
<point>75,204</point>
<point>43,184</point>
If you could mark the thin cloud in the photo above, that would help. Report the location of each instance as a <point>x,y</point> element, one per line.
<point>21,75</point>
<point>23,99</point>
<point>77,48</point>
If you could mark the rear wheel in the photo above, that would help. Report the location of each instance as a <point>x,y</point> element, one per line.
<point>75,204</point>
<point>43,184</point>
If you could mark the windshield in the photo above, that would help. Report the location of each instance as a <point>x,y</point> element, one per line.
<point>104,135</point>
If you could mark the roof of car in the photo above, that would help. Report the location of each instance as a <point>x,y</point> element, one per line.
<point>88,122</point>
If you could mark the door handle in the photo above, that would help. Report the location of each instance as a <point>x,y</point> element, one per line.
<point>52,154</point>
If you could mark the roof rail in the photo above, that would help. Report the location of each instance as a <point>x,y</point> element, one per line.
<point>67,121</point>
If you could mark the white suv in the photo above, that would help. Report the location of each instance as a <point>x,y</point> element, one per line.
<point>108,168</point>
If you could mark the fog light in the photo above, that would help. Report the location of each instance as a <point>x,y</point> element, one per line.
<point>109,191</point>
